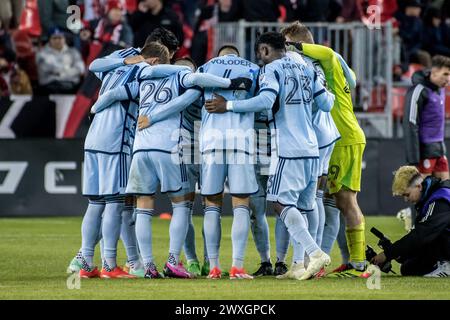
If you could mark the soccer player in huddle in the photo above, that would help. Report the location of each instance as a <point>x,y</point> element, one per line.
<point>344,178</point>
<point>226,147</point>
<point>295,162</point>
<point>102,66</point>
<point>327,135</point>
<point>107,159</point>
<point>157,160</point>
<point>190,129</point>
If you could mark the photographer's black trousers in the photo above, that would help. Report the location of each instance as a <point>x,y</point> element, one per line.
<point>423,263</point>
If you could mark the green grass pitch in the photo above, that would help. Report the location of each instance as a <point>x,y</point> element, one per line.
<point>36,251</point>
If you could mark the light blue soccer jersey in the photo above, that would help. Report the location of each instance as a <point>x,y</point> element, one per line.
<point>164,135</point>
<point>291,116</point>
<point>288,90</point>
<point>324,127</point>
<point>112,130</point>
<point>113,60</point>
<point>218,131</point>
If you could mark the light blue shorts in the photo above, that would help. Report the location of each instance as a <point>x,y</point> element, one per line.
<point>150,169</point>
<point>294,183</point>
<point>105,174</point>
<point>324,158</point>
<point>236,167</point>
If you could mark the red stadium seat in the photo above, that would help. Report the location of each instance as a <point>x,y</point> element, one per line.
<point>413,67</point>
<point>398,101</point>
<point>378,98</point>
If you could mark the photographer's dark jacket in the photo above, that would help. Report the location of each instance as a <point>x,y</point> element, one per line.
<point>424,119</point>
<point>432,225</point>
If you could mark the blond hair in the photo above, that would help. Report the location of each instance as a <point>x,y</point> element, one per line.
<point>298,32</point>
<point>404,177</point>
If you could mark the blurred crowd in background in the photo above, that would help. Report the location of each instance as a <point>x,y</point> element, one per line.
<point>39,53</point>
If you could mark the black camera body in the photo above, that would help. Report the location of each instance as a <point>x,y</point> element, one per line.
<point>384,243</point>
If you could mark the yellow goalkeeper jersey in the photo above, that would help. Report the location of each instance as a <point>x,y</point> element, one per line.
<point>342,112</point>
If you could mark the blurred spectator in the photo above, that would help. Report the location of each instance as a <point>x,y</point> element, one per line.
<point>261,10</point>
<point>4,87</point>
<point>314,10</point>
<point>59,67</point>
<point>111,30</point>
<point>12,78</point>
<point>10,11</point>
<point>96,9</point>
<point>211,12</point>
<point>7,57</point>
<point>6,46</point>
<point>189,8</point>
<point>26,55</point>
<point>436,33</point>
<point>53,13</point>
<point>347,10</point>
<point>150,15</point>
<point>411,33</point>
<point>19,81</point>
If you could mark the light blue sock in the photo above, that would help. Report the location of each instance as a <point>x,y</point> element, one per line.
<point>298,251</point>
<point>342,241</point>
<point>213,233</point>
<point>100,243</point>
<point>298,229</point>
<point>128,236</point>
<point>313,222</point>
<point>178,229</point>
<point>112,220</point>
<point>321,209</point>
<point>281,240</point>
<point>90,229</point>
<point>331,227</point>
<point>189,244</point>
<point>260,227</point>
<point>144,233</point>
<point>239,234</point>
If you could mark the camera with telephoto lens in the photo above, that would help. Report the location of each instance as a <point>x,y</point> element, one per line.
<point>383,243</point>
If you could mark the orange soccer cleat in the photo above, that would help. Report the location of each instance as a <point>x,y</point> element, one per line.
<point>94,273</point>
<point>116,273</point>
<point>215,273</point>
<point>236,273</point>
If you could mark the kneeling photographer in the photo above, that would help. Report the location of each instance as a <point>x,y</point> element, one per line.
<point>425,250</point>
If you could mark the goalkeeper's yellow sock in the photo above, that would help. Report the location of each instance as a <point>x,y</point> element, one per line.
<point>356,241</point>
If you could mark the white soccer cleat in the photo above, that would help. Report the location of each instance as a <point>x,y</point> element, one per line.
<point>286,275</point>
<point>316,262</point>
<point>298,271</point>
<point>442,270</point>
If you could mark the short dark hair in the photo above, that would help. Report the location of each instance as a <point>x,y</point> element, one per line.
<point>165,37</point>
<point>439,62</point>
<point>187,59</point>
<point>274,39</point>
<point>156,50</point>
<point>229,47</point>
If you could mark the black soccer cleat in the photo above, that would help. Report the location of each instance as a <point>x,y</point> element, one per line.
<point>265,269</point>
<point>280,268</point>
